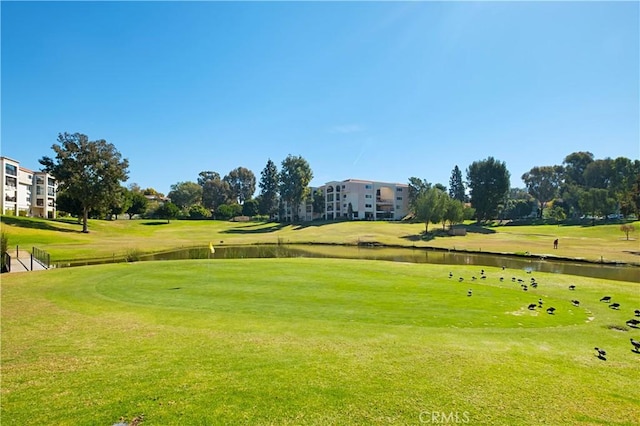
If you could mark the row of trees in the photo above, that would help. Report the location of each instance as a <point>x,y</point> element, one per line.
<point>90,173</point>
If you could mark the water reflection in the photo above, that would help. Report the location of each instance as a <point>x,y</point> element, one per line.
<point>621,273</point>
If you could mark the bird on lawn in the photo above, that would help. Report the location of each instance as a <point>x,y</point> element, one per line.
<point>572,287</point>
<point>633,323</point>
<point>601,353</point>
<point>614,306</point>
<point>469,293</point>
<point>637,312</point>
<point>532,306</point>
<point>450,274</point>
<point>606,299</point>
<point>636,345</point>
<point>575,302</point>
<point>551,310</point>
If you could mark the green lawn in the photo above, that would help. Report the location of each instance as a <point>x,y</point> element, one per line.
<point>312,341</point>
<point>109,239</point>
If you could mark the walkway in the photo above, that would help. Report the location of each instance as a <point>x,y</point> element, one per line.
<point>23,263</point>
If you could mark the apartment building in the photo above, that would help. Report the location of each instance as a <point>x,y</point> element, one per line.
<point>25,192</point>
<point>357,199</point>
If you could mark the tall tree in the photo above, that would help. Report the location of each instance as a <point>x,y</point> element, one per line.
<point>295,175</point>
<point>215,191</point>
<point>488,182</point>
<point>88,171</point>
<point>242,184</point>
<point>269,182</point>
<point>430,206</point>
<point>139,204</point>
<point>417,187</point>
<point>574,166</point>
<point>456,185</point>
<point>454,212</point>
<point>543,183</point>
<point>185,194</point>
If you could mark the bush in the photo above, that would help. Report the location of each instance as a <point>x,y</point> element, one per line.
<point>4,245</point>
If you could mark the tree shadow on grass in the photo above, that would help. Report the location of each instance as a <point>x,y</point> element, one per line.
<point>442,233</point>
<point>155,223</point>
<point>46,225</point>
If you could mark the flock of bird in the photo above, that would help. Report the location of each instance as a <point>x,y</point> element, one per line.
<point>600,353</point>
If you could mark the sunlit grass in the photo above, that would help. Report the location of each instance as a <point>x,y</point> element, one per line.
<point>114,239</point>
<point>312,341</point>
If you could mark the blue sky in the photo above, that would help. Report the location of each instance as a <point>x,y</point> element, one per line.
<point>370,90</point>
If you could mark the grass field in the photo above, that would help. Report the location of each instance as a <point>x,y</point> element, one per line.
<point>313,341</point>
<point>117,239</point>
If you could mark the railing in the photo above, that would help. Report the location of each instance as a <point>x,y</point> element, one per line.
<point>41,256</point>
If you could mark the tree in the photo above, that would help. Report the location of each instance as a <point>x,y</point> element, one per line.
<point>120,202</point>
<point>88,171</point>
<point>197,211</point>
<point>417,187</point>
<point>627,228</point>
<point>242,184</point>
<point>574,167</point>
<point>185,194</point>
<point>488,182</point>
<point>168,211</point>
<point>454,212</point>
<point>430,207</point>
<point>318,201</point>
<point>139,204</point>
<point>250,208</point>
<point>456,185</point>
<point>543,183</point>
<point>295,175</point>
<point>596,202</point>
<point>215,191</point>
<point>269,181</point>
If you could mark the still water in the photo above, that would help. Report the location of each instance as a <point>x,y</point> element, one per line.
<point>621,273</point>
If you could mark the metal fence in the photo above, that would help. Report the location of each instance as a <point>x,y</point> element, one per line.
<point>41,256</point>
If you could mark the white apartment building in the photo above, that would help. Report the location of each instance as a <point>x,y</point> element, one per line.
<point>356,199</point>
<point>25,192</point>
<point>365,200</point>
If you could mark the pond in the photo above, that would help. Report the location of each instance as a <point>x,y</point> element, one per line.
<point>412,255</point>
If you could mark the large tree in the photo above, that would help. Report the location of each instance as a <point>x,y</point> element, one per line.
<point>417,187</point>
<point>488,182</point>
<point>88,171</point>
<point>242,184</point>
<point>269,183</point>
<point>543,183</point>
<point>185,194</point>
<point>456,185</point>
<point>139,204</point>
<point>574,166</point>
<point>295,175</point>
<point>215,191</point>
<point>430,206</point>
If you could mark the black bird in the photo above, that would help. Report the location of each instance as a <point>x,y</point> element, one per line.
<point>532,306</point>
<point>575,302</point>
<point>534,285</point>
<point>450,274</point>
<point>637,312</point>
<point>551,310</point>
<point>633,323</point>
<point>540,302</point>
<point>601,353</point>
<point>483,277</point>
<point>473,278</point>
<point>606,299</point>
<point>636,345</point>
<point>482,272</point>
<point>533,280</point>
<point>502,279</point>
<point>525,288</point>
<point>504,267</point>
<point>460,279</point>
<point>469,293</point>
<point>513,279</point>
<point>614,306</point>
<point>520,280</point>
<point>572,287</point>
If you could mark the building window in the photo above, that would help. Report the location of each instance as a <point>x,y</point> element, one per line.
<point>51,191</point>
<point>399,189</point>
<point>51,182</point>
<point>40,202</point>
<point>38,190</point>
<point>39,180</point>
<point>11,181</point>
<point>344,197</point>
<point>367,206</point>
<point>11,170</point>
<point>368,187</point>
<point>368,196</point>
<point>399,198</point>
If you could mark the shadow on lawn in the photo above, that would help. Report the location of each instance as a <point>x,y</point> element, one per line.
<point>47,225</point>
<point>439,232</point>
<point>261,229</point>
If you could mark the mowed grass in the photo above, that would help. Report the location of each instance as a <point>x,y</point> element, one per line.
<point>313,341</point>
<point>117,239</point>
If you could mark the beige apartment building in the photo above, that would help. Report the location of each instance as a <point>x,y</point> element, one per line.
<point>356,199</point>
<point>25,192</point>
